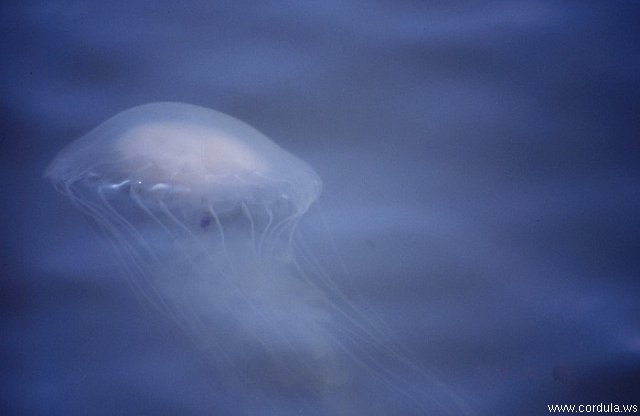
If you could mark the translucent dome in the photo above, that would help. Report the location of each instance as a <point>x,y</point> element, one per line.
<point>161,149</point>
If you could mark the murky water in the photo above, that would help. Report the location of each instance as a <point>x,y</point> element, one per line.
<point>480,169</point>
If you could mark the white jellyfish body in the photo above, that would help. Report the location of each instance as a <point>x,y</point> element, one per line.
<point>202,209</point>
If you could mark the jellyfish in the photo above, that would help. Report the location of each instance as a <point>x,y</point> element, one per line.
<point>203,213</point>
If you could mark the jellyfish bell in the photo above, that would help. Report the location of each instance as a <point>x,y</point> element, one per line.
<point>186,151</point>
<point>203,212</point>
<point>194,162</point>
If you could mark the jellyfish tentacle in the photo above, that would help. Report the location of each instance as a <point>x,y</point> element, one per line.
<point>377,324</point>
<point>286,225</point>
<point>172,235</point>
<point>179,313</point>
<point>205,251</point>
<point>358,359</point>
<point>244,295</point>
<point>326,278</point>
<point>365,334</point>
<point>146,210</point>
<point>368,334</point>
<point>113,237</point>
<point>228,279</point>
<point>265,231</point>
<point>247,212</point>
<point>173,310</point>
<point>126,224</point>
<point>110,223</point>
<point>222,239</point>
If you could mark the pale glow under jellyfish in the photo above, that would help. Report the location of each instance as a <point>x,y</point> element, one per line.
<point>203,212</point>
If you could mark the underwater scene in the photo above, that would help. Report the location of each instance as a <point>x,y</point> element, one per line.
<point>319,208</point>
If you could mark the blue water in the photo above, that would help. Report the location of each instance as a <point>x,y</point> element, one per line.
<point>481,184</point>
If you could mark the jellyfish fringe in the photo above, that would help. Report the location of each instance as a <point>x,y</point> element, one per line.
<point>241,281</point>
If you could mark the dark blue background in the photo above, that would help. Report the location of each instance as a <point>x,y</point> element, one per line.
<point>481,178</point>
